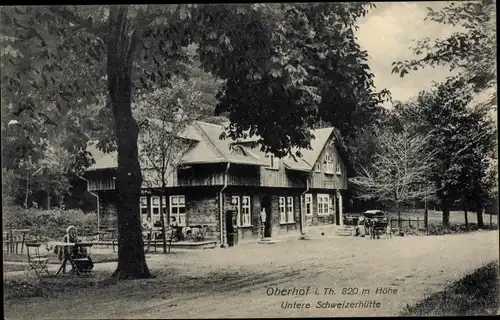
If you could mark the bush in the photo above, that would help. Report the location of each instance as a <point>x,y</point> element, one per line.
<point>434,229</point>
<point>49,224</point>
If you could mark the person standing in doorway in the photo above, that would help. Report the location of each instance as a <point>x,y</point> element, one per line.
<point>263,219</point>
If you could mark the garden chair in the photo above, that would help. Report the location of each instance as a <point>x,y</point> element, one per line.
<point>36,262</point>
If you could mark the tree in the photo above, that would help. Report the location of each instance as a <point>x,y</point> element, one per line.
<point>266,54</point>
<point>162,144</point>
<point>41,149</point>
<point>305,62</point>
<point>400,171</point>
<point>465,136</point>
<point>471,51</point>
<point>477,178</point>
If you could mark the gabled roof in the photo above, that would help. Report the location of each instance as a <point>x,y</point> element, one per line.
<point>209,148</point>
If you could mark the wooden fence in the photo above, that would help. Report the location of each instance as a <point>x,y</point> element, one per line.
<point>418,225</point>
<point>14,240</point>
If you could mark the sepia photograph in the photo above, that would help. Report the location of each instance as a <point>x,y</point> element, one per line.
<point>249,160</point>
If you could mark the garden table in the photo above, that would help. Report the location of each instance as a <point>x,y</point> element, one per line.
<point>67,254</point>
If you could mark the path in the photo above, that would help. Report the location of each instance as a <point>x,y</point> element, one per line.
<point>233,282</point>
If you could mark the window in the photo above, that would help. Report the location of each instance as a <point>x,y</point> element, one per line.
<point>323,204</point>
<point>328,164</point>
<point>273,162</point>
<point>317,167</point>
<point>289,209</point>
<point>282,210</point>
<point>308,201</point>
<point>155,209</point>
<point>178,209</point>
<point>144,208</point>
<point>243,208</point>
<point>338,168</point>
<point>245,212</point>
<point>238,150</point>
<point>286,209</point>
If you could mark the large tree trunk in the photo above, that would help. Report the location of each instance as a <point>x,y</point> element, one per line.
<point>446,213</point>
<point>479,212</point>
<point>131,257</point>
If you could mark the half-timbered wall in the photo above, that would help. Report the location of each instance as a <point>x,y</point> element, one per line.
<point>336,179</point>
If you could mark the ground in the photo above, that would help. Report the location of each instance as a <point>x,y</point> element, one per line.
<point>234,282</point>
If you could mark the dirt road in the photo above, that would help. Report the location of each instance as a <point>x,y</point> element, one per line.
<point>242,281</point>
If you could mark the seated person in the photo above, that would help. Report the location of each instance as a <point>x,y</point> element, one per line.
<point>83,260</point>
<point>147,228</point>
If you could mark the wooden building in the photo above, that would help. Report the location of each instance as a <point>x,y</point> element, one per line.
<point>220,175</point>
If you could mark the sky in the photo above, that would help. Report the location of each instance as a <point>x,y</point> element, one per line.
<point>387,32</point>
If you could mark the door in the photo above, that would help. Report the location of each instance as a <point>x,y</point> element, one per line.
<point>266,204</point>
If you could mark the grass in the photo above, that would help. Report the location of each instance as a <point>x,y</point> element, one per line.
<point>23,287</point>
<point>96,258</point>
<point>475,294</point>
<point>7,267</point>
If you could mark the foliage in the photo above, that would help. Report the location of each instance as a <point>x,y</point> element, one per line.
<point>439,229</point>
<point>471,50</point>
<point>293,65</point>
<point>162,143</point>
<point>401,168</point>
<point>49,224</point>
<point>465,134</point>
<point>272,58</point>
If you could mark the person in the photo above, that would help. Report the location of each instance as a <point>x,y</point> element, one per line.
<point>176,229</point>
<point>147,227</point>
<point>263,217</point>
<point>79,254</point>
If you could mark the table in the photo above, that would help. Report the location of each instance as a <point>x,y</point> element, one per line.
<point>68,257</point>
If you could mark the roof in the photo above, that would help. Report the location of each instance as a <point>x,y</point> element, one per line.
<point>209,148</point>
<point>102,160</point>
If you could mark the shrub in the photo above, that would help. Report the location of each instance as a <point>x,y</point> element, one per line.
<point>49,224</point>
<point>434,229</point>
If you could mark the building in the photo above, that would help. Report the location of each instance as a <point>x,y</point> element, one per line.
<point>220,175</point>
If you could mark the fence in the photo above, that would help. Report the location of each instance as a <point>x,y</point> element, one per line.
<point>418,225</point>
<point>14,240</point>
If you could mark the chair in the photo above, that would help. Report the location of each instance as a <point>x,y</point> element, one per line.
<point>36,262</point>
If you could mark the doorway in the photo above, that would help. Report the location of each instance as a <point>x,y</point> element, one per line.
<point>265,203</point>
<point>231,232</point>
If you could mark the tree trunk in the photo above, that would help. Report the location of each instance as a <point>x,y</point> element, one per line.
<point>120,51</point>
<point>446,214</point>
<point>162,215</point>
<point>426,214</point>
<point>27,191</point>
<point>48,199</point>
<point>399,216</point>
<point>479,212</point>
<point>466,216</point>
